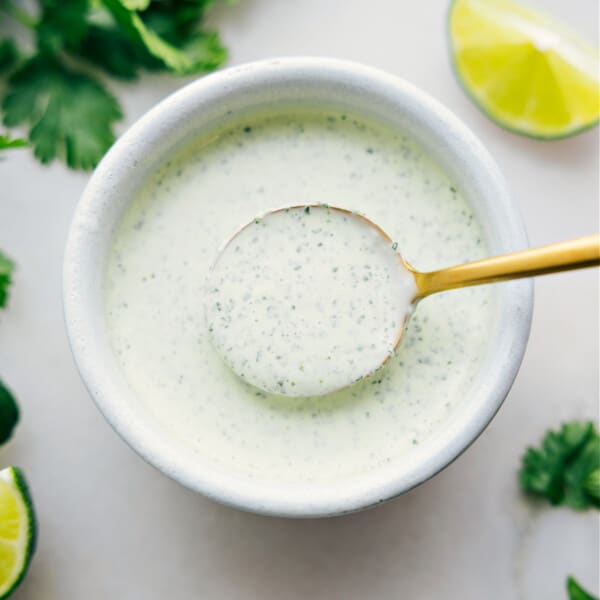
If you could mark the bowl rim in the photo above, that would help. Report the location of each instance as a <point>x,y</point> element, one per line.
<point>80,279</point>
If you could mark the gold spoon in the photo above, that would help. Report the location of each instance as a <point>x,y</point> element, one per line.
<point>254,293</point>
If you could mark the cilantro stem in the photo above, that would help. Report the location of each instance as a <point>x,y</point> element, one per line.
<point>18,14</point>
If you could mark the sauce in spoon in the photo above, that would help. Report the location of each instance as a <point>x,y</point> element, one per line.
<point>307,300</point>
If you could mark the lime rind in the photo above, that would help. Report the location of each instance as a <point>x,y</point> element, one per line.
<point>571,66</point>
<point>14,477</point>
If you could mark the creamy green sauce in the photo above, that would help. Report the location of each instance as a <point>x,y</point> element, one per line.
<point>307,300</point>
<point>170,236</point>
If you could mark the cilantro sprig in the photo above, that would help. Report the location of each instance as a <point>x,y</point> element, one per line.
<point>565,469</point>
<point>55,93</point>
<point>6,269</point>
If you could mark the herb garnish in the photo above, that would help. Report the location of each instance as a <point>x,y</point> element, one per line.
<point>54,91</point>
<point>6,269</point>
<point>565,469</point>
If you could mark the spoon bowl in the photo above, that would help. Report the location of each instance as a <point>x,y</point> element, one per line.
<point>307,300</point>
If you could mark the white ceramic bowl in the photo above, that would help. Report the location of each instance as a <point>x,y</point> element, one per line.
<point>202,105</point>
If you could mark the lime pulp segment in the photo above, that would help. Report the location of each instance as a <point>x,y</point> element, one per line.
<point>17,529</point>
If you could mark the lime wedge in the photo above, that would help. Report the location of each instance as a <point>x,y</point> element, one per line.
<point>17,529</point>
<point>528,73</point>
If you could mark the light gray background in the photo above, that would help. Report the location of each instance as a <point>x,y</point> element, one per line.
<point>113,527</point>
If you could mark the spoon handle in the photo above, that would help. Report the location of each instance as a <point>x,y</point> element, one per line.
<point>562,256</point>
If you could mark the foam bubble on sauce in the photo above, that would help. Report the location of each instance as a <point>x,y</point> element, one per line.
<point>307,300</point>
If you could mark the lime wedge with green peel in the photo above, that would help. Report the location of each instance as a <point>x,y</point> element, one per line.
<point>17,529</point>
<point>528,73</point>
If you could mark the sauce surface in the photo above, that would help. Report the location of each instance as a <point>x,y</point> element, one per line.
<point>307,300</point>
<point>170,236</point>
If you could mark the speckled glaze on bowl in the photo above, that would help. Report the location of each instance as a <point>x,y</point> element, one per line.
<point>206,103</point>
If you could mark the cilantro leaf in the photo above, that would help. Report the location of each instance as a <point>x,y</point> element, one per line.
<point>566,468</point>
<point>71,114</point>
<point>113,51</point>
<point>9,413</point>
<point>6,142</point>
<point>592,484</point>
<point>8,55</point>
<point>205,50</point>
<point>6,268</point>
<point>131,22</point>
<point>193,53</point>
<point>61,22</point>
<point>176,20</point>
<point>576,592</point>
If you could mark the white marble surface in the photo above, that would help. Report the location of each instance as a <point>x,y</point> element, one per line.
<point>113,527</point>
